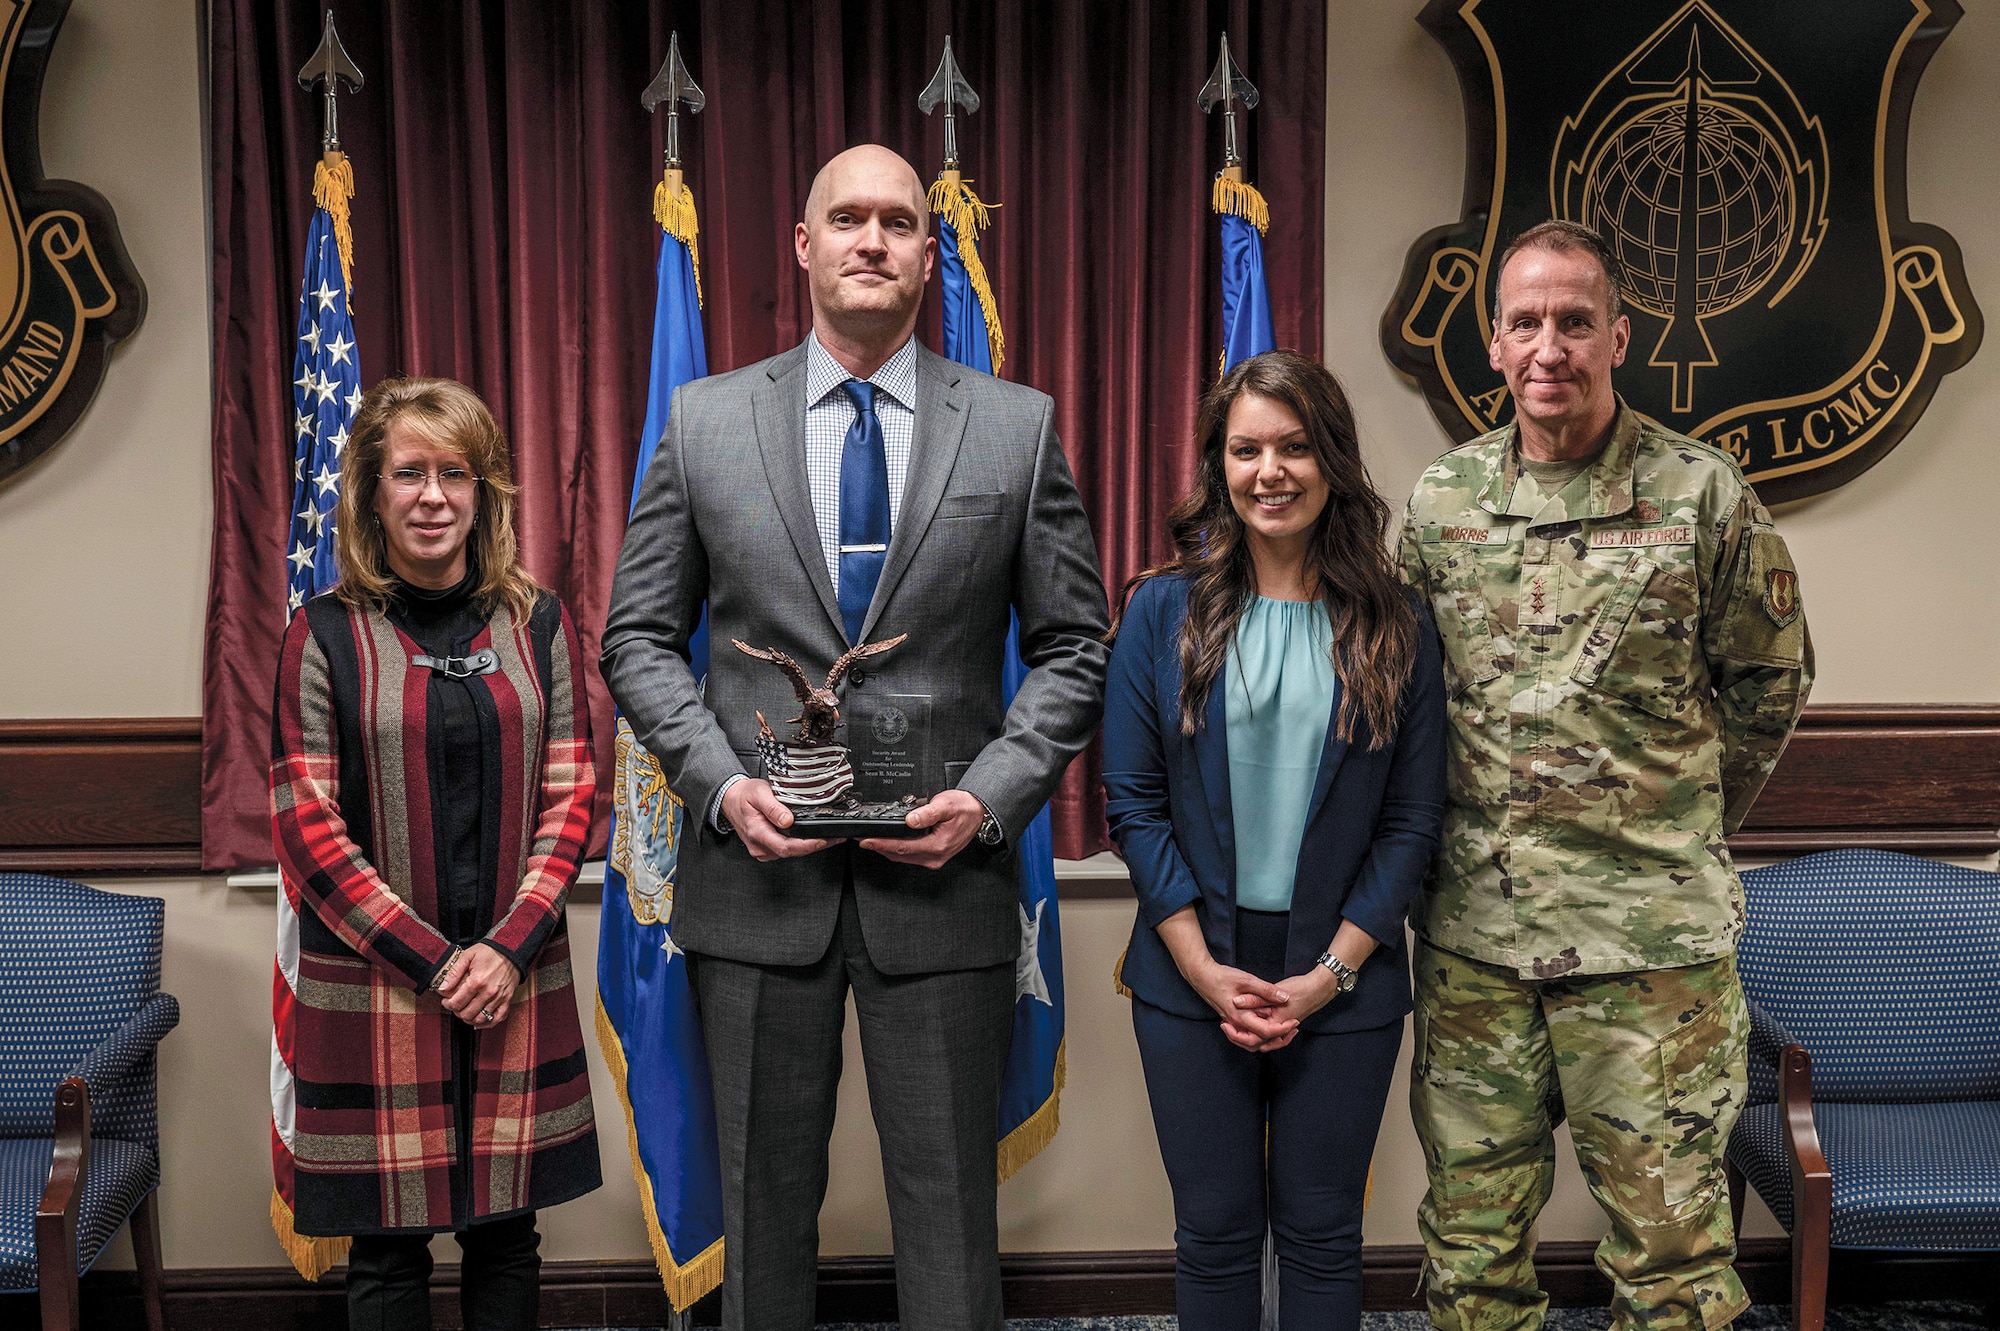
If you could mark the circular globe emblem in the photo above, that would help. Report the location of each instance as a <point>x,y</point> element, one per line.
<point>889,726</point>
<point>1738,194</point>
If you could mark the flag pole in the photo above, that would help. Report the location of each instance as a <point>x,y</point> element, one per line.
<point>325,396</point>
<point>1031,1086</point>
<point>647,1027</point>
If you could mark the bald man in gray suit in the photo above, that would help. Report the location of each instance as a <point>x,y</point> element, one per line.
<point>770,500</point>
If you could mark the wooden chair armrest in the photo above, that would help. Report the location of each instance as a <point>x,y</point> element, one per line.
<point>62,1204</point>
<point>1812,1191</point>
<point>1801,1132</point>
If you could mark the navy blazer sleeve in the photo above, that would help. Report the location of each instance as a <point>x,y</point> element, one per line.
<point>1411,820</point>
<point>1136,797</point>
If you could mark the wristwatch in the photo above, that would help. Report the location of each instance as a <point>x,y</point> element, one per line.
<point>989,830</point>
<point>1345,977</point>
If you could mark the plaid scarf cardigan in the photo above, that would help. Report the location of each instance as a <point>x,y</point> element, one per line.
<point>373,1139</point>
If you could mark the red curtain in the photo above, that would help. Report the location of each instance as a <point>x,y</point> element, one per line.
<point>504,237</point>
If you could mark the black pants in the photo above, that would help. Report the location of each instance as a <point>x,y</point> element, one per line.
<point>1250,1140</point>
<point>500,1279</point>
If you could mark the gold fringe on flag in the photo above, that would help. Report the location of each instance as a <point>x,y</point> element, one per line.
<point>1242,199</point>
<point>313,1257</point>
<point>1118,976</point>
<point>675,214</point>
<point>684,1284</point>
<point>1025,1142</point>
<point>951,198</point>
<point>333,186</point>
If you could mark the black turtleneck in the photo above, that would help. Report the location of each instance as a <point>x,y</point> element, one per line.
<point>444,622</point>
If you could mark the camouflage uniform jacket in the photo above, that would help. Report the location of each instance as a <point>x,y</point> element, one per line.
<point>1626,660</point>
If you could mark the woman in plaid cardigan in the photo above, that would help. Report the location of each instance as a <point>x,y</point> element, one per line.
<point>431,787</point>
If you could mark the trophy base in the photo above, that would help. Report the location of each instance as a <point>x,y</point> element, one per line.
<point>853,821</point>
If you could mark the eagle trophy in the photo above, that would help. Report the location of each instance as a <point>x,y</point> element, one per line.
<point>819,708</point>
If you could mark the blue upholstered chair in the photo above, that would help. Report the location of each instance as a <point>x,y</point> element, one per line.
<point>80,1014</point>
<point>1874,1112</point>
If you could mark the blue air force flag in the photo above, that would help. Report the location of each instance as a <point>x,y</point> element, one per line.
<point>1031,1090</point>
<point>1246,302</point>
<point>646,1023</point>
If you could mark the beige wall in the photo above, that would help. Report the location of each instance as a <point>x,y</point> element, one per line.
<point>104,561</point>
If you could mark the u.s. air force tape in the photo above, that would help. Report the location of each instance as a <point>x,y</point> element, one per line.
<point>1622,537</point>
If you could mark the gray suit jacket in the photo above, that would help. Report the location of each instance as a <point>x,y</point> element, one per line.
<point>990,519</point>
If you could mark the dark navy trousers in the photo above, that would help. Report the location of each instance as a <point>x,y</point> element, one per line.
<point>1321,1100</point>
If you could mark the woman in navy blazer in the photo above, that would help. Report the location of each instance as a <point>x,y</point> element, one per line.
<point>1267,966</point>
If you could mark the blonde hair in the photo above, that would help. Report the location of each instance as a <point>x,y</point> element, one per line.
<point>451,416</point>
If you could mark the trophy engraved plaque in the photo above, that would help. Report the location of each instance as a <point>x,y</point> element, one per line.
<point>889,736</point>
<point>818,778</point>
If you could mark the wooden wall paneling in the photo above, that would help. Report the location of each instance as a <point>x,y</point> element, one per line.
<point>1920,779</point>
<point>102,796</point>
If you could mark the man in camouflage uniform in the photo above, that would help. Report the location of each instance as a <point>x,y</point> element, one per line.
<point>1627,657</point>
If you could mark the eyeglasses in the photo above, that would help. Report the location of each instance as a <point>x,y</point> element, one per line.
<point>455,482</point>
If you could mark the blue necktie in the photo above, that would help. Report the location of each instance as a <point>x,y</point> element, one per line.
<point>864,509</point>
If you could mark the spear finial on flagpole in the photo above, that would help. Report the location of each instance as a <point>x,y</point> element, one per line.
<point>948,86</point>
<point>676,87</point>
<point>673,201</point>
<point>328,66</point>
<point>1227,88</point>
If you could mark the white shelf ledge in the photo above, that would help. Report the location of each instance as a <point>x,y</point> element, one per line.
<point>1101,868</point>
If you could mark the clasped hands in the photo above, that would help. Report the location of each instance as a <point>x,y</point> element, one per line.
<point>1256,1014</point>
<point>951,818</point>
<point>478,986</point>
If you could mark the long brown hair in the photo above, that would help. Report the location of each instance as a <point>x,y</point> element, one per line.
<point>451,416</point>
<point>1374,629</point>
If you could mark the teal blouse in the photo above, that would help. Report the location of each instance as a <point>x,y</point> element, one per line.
<point>1279,702</point>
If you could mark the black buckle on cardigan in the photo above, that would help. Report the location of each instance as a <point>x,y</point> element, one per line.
<point>485,661</point>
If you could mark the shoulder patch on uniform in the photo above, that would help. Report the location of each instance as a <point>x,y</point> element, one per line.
<point>1781,596</point>
<point>1618,538</point>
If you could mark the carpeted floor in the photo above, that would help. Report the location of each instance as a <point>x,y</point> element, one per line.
<point>1765,1317</point>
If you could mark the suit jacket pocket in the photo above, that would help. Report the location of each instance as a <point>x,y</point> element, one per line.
<point>983,505</point>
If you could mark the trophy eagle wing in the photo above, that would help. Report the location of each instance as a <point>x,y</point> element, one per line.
<point>853,654</point>
<point>800,684</point>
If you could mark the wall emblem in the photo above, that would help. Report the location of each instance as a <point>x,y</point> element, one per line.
<point>1747,159</point>
<point>68,292</point>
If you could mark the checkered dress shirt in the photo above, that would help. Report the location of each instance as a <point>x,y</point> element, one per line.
<point>829,412</point>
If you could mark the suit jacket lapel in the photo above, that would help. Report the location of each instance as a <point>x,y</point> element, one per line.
<point>1211,751</point>
<point>1330,758</point>
<point>934,442</point>
<point>778,416</point>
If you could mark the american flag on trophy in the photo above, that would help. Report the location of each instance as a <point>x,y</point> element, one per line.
<point>803,774</point>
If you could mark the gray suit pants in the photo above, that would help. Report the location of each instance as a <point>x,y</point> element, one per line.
<point>934,1046</point>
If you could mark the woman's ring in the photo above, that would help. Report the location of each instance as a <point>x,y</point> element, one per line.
<point>486,1014</point>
